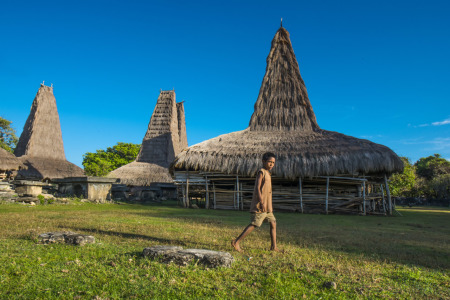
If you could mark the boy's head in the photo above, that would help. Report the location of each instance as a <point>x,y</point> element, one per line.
<point>268,160</point>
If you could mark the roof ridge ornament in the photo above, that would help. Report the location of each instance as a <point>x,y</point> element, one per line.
<point>281,24</point>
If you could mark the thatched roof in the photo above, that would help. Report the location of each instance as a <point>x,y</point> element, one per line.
<point>39,168</point>
<point>284,123</point>
<point>40,145</point>
<point>182,126</point>
<point>161,143</point>
<point>8,161</point>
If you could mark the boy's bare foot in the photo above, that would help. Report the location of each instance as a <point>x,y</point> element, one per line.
<point>236,246</point>
<point>275,249</point>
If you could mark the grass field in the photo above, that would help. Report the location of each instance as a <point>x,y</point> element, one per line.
<point>376,257</point>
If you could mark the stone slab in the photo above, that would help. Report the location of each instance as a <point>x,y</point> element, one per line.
<point>175,254</point>
<point>67,237</point>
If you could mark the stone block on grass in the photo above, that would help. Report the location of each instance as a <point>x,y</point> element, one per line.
<point>175,254</point>
<point>67,237</point>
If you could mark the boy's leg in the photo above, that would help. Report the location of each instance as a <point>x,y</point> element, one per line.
<point>273,235</point>
<point>247,230</point>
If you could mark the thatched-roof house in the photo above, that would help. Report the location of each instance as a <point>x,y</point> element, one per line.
<point>40,145</point>
<point>313,165</point>
<point>164,139</point>
<point>8,162</point>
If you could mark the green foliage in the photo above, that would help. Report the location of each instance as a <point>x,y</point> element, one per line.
<point>403,184</point>
<point>41,199</point>
<point>439,187</point>
<point>432,166</point>
<point>8,138</point>
<point>102,162</point>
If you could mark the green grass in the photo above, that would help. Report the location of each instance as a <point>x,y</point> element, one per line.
<point>368,257</point>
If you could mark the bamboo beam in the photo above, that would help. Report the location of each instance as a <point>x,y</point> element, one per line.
<point>207,193</point>
<point>187,189</point>
<point>326,197</point>
<point>364,197</point>
<point>237,194</point>
<point>388,194</point>
<point>384,201</point>
<point>301,193</point>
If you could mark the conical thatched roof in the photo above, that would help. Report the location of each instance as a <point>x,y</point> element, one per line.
<point>284,123</point>
<point>161,143</point>
<point>182,126</point>
<point>8,161</point>
<point>40,145</point>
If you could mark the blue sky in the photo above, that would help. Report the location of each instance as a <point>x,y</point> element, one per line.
<point>378,70</point>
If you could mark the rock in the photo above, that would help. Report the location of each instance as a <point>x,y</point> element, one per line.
<point>194,206</point>
<point>79,239</point>
<point>32,203</point>
<point>158,251</point>
<point>67,237</point>
<point>330,285</point>
<point>175,254</point>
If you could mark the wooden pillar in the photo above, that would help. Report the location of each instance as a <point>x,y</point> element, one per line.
<point>301,192</point>
<point>326,197</point>
<point>364,197</point>
<point>214,196</point>
<point>384,201</point>
<point>241,196</point>
<point>388,193</point>
<point>187,189</point>
<point>207,193</point>
<point>237,193</point>
<point>183,192</point>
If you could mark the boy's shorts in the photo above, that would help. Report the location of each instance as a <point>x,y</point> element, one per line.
<point>258,218</point>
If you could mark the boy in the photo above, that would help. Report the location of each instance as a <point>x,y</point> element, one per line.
<point>261,207</point>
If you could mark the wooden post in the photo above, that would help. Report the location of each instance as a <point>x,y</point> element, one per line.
<point>237,193</point>
<point>384,201</point>
<point>183,192</point>
<point>301,193</point>
<point>326,197</point>
<point>207,193</point>
<point>187,189</point>
<point>388,194</point>
<point>364,197</point>
<point>214,195</point>
<point>241,196</point>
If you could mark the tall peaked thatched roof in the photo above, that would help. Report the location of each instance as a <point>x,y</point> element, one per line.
<point>40,145</point>
<point>284,123</point>
<point>161,143</point>
<point>8,161</point>
<point>182,126</point>
<point>283,102</point>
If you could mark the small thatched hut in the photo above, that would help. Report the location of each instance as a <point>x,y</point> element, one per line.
<point>8,162</point>
<point>164,139</point>
<point>316,170</point>
<point>40,145</point>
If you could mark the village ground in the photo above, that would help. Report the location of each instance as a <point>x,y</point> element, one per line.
<point>392,257</point>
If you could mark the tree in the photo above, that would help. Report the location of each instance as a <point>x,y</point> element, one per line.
<point>8,138</point>
<point>102,162</point>
<point>432,166</point>
<point>404,184</point>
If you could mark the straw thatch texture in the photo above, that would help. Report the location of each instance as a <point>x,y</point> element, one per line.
<point>8,161</point>
<point>284,123</point>
<point>41,135</point>
<point>141,174</point>
<point>299,154</point>
<point>40,145</point>
<point>283,102</point>
<point>159,147</point>
<point>182,126</point>
<point>39,168</point>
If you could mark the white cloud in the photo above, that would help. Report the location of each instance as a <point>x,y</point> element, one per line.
<point>445,122</point>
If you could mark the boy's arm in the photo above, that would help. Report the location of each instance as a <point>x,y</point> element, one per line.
<point>259,179</point>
